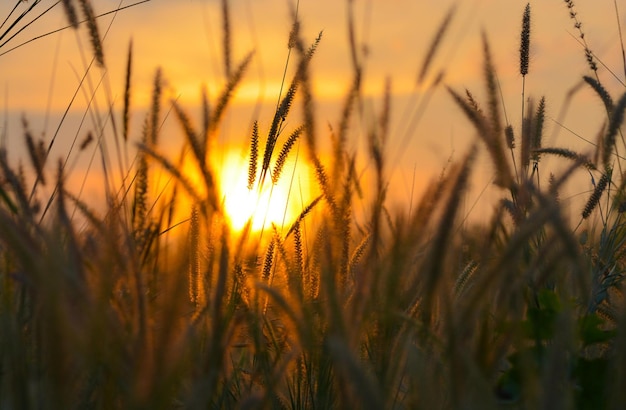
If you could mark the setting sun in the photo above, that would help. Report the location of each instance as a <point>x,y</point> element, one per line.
<point>263,207</point>
<point>276,204</point>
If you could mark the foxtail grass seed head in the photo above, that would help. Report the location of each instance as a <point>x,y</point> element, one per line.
<point>155,108</point>
<point>510,136</point>
<point>537,135</point>
<point>594,199</point>
<point>269,260</point>
<point>601,91</point>
<point>94,34</point>
<point>254,155</point>
<point>465,278</point>
<point>284,152</point>
<point>86,142</point>
<point>293,33</point>
<point>36,155</point>
<point>126,109</point>
<point>226,40</point>
<point>435,44</point>
<point>492,86</point>
<point>70,13</point>
<point>524,49</point>
<point>553,188</point>
<point>616,121</point>
<point>233,82</point>
<point>194,256</point>
<point>472,101</point>
<point>569,154</point>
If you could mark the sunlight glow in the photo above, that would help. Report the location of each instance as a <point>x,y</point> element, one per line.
<point>272,204</point>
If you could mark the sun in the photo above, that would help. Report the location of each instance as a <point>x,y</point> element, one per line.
<point>271,204</point>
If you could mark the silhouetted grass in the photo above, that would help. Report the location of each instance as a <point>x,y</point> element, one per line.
<point>415,309</point>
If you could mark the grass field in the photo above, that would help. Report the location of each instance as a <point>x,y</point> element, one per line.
<point>162,296</point>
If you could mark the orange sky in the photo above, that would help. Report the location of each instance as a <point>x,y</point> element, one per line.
<point>183,38</point>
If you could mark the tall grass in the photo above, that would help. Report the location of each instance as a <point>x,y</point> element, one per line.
<point>404,311</point>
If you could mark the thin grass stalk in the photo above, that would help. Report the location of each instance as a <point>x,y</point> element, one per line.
<point>52,6</point>
<point>621,38</point>
<point>55,135</point>
<point>21,17</point>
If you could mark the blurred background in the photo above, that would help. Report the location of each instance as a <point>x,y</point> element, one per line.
<point>39,79</point>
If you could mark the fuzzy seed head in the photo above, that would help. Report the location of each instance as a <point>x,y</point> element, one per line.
<point>524,49</point>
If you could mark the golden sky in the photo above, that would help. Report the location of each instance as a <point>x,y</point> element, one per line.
<point>183,37</point>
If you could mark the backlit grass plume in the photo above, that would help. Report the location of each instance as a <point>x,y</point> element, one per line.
<point>254,155</point>
<point>94,33</point>
<point>594,199</point>
<point>524,48</point>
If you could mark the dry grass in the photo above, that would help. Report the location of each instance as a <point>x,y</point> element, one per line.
<point>416,309</point>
